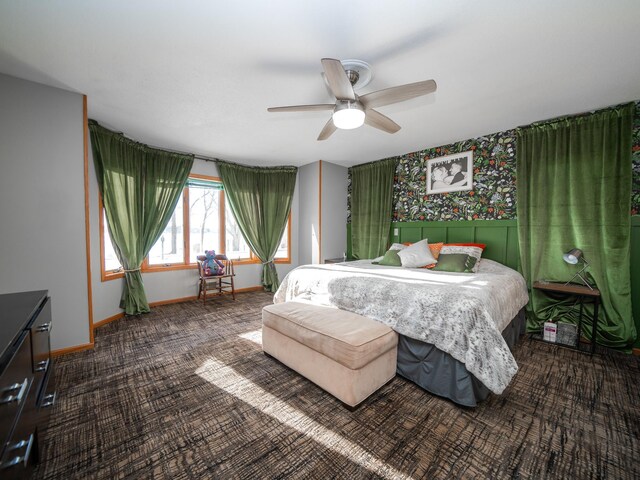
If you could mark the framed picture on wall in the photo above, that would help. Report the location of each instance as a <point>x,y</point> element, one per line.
<point>451,173</point>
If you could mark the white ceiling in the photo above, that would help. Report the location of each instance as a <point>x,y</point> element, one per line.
<point>198,76</point>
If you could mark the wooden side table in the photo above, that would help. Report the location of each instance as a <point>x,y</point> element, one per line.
<point>582,292</point>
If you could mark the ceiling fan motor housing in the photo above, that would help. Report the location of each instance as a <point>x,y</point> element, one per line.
<point>353,76</point>
<point>358,72</point>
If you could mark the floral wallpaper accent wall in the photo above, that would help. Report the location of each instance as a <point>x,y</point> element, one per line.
<point>494,184</point>
<point>494,191</point>
<point>635,149</point>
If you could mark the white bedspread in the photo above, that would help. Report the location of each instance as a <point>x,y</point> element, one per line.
<point>461,314</point>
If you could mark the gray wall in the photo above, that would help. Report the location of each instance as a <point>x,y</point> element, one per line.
<point>334,210</point>
<point>174,284</point>
<point>309,225</point>
<point>322,235</point>
<point>42,220</point>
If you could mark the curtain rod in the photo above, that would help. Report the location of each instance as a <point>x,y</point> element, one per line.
<point>195,155</point>
<point>206,159</point>
<point>572,115</point>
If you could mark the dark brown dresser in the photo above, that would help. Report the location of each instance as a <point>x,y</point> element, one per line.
<point>26,379</point>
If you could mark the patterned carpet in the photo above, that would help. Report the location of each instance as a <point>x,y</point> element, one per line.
<point>185,392</point>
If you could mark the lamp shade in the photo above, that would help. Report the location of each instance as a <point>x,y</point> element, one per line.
<point>572,256</point>
<point>348,115</point>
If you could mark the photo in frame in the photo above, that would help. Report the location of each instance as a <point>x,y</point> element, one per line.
<point>451,173</point>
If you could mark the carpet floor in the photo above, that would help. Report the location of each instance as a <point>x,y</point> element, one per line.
<point>186,392</point>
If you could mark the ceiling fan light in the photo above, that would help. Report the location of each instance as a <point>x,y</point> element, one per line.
<point>348,115</point>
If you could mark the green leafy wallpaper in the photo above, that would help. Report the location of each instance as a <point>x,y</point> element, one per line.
<point>494,194</point>
<point>635,148</point>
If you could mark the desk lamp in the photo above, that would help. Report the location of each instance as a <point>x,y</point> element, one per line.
<point>574,256</point>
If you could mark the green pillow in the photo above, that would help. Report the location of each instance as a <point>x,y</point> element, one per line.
<point>391,259</point>
<point>455,262</point>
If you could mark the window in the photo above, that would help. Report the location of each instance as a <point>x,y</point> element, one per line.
<point>169,248</point>
<point>204,220</point>
<point>111,262</point>
<point>283,249</point>
<point>201,221</point>
<point>235,247</point>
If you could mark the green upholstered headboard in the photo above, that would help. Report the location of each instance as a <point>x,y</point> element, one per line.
<point>500,236</point>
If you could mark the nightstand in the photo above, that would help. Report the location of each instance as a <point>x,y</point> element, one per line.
<point>334,260</point>
<point>583,293</point>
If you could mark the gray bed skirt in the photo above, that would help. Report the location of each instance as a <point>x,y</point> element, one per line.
<point>441,374</point>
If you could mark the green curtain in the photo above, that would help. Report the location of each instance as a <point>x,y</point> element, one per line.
<point>260,199</point>
<point>371,207</point>
<point>140,187</point>
<point>574,190</point>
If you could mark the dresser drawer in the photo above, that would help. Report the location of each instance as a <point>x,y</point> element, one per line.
<point>40,345</point>
<point>46,397</point>
<point>15,383</point>
<point>20,453</point>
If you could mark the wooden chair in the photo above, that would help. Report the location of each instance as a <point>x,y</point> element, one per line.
<point>220,284</point>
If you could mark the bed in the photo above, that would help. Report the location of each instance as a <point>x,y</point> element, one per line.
<point>456,329</point>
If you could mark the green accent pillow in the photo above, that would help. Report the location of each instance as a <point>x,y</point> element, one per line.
<point>455,262</point>
<point>391,259</point>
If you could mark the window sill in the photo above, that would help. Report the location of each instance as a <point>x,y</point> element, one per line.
<point>107,276</point>
<point>244,261</point>
<point>167,268</point>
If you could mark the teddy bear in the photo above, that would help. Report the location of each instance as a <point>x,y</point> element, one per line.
<point>211,265</point>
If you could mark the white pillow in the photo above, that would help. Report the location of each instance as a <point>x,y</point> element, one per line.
<point>417,255</point>
<point>377,259</point>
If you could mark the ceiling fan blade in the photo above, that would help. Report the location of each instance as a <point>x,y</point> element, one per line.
<point>381,122</point>
<point>328,130</point>
<point>398,94</point>
<point>303,108</point>
<point>337,78</point>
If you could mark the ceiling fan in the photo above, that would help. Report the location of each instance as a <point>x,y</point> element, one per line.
<point>351,110</point>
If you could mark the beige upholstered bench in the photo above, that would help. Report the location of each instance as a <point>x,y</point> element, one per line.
<point>348,355</point>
